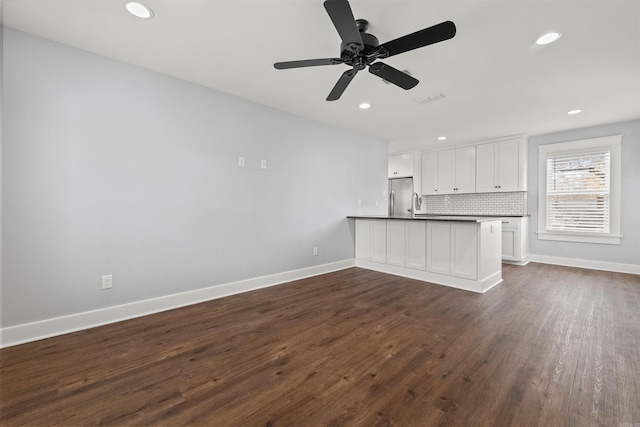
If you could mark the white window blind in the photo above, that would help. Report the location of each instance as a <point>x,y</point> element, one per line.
<point>578,192</point>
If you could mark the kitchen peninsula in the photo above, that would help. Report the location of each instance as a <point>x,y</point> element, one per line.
<point>458,251</point>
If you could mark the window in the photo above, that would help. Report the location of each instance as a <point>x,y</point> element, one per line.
<point>579,191</point>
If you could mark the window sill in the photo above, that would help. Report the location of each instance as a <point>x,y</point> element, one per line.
<point>609,239</point>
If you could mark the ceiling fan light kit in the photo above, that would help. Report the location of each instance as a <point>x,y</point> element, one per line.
<point>360,49</point>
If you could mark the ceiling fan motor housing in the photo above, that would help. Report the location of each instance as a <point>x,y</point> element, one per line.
<point>349,52</point>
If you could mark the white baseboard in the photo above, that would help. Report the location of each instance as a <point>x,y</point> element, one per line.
<point>525,260</point>
<point>479,286</point>
<point>34,331</point>
<point>583,263</point>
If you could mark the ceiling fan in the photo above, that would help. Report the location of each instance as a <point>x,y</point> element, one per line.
<point>360,49</point>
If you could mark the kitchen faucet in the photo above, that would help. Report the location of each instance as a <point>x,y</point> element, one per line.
<point>418,202</point>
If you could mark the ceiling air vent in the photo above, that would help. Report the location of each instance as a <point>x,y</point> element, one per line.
<point>429,99</point>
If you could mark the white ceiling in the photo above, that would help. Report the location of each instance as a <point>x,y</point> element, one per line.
<point>496,81</point>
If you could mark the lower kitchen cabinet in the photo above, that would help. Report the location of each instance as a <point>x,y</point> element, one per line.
<point>406,246</point>
<point>453,249</point>
<point>396,239</point>
<point>439,247</point>
<point>464,250</point>
<point>515,240</point>
<point>371,240</point>
<point>416,236</point>
<point>462,254</point>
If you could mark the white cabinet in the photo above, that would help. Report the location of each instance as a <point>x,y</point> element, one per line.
<point>439,247</point>
<point>449,171</point>
<point>515,243</point>
<point>371,240</point>
<point>464,250</point>
<point>406,244</point>
<point>465,166</point>
<point>462,254</point>
<point>453,249</point>
<point>396,253</point>
<point>401,165</point>
<point>430,173</point>
<point>379,241</point>
<point>501,166</point>
<point>416,244</point>
<point>363,239</point>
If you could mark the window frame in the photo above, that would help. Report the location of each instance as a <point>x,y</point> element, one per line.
<point>614,144</point>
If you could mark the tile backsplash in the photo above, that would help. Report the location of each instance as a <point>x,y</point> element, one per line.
<point>514,203</point>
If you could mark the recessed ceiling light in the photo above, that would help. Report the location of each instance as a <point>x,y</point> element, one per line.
<point>364,105</point>
<point>442,138</point>
<point>572,112</point>
<point>548,38</point>
<point>138,9</point>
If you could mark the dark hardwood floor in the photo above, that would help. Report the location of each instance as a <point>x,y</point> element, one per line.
<point>552,346</point>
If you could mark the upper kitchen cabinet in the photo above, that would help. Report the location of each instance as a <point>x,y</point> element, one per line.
<point>502,166</point>
<point>449,171</point>
<point>457,171</point>
<point>430,173</point>
<point>401,165</point>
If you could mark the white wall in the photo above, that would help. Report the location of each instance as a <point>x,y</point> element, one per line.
<point>629,251</point>
<point>113,169</point>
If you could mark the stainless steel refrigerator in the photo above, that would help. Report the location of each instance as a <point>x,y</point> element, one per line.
<point>400,197</point>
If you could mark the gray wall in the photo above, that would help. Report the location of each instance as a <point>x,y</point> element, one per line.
<point>113,169</point>
<point>629,251</point>
<point>1,186</point>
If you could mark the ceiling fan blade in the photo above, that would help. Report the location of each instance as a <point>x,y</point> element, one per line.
<point>441,32</point>
<point>393,75</point>
<point>342,84</point>
<point>307,63</point>
<point>342,17</point>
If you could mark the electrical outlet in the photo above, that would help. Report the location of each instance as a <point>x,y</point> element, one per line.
<point>375,203</point>
<point>263,164</point>
<point>107,282</point>
<point>315,251</point>
<point>241,161</point>
<point>359,203</point>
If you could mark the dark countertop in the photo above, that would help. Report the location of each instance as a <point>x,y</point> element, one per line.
<point>464,218</point>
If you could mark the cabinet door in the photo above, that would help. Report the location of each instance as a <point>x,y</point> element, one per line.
<point>378,241</point>
<point>393,166</point>
<point>511,166</point>
<point>464,250</point>
<point>363,239</point>
<point>438,247</point>
<point>486,155</point>
<point>465,170</point>
<point>430,173</point>
<point>446,172</point>
<point>416,244</point>
<point>396,243</point>
<point>401,166</point>
<point>404,165</point>
<point>509,244</point>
